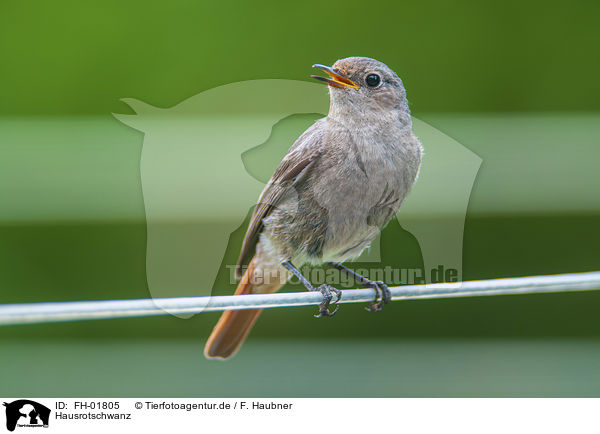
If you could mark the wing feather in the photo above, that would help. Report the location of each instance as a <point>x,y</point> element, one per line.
<point>291,171</point>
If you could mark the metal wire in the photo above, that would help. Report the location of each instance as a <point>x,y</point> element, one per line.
<point>29,313</point>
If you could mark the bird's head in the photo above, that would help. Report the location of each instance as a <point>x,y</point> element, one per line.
<point>364,88</point>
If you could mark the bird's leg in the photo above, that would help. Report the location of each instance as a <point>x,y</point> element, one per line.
<point>381,289</point>
<point>326,290</point>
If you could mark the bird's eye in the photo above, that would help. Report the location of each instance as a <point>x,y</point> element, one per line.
<point>373,80</point>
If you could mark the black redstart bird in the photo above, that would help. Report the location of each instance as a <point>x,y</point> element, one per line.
<point>336,188</point>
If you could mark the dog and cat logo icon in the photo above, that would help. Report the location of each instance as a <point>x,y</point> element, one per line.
<point>25,413</point>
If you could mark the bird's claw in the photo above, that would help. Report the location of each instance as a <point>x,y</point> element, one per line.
<point>382,292</point>
<point>327,291</point>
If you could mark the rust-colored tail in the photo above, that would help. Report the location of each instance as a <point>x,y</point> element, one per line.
<point>234,325</point>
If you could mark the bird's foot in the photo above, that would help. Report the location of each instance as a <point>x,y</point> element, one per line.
<point>382,292</point>
<point>328,292</point>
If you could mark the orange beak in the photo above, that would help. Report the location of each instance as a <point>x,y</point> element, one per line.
<point>336,80</point>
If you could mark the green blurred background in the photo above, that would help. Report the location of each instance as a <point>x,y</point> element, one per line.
<point>515,82</point>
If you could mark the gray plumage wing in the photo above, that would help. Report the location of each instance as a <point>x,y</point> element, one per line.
<point>290,173</point>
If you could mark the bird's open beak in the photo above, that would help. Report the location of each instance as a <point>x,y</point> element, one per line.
<point>336,80</point>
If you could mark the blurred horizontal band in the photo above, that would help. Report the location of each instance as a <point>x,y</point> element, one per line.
<point>31,313</point>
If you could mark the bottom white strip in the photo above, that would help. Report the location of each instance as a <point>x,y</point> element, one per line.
<point>90,415</point>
